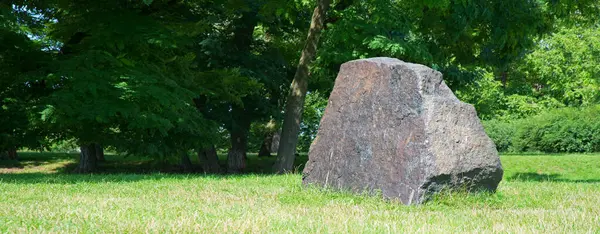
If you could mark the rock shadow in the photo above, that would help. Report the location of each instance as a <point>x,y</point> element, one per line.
<point>545,177</point>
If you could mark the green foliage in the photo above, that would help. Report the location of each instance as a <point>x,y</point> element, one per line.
<point>481,47</point>
<point>562,70</point>
<point>314,107</point>
<point>250,61</point>
<point>553,131</point>
<point>565,67</point>
<point>128,85</point>
<point>484,92</point>
<point>520,106</point>
<point>20,59</point>
<point>158,77</point>
<point>502,133</point>
<point>446,35</point>
<point>258,131</point>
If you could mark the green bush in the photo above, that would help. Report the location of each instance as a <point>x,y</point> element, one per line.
<point>553,131</point>
<point>501,133</point>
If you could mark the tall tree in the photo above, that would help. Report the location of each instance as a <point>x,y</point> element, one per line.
<point>21,58</point>
<point>128,85</point>
<point>251,55</point>
<point>299,87</point>
<point>564,66</point>
<point>466,40</point>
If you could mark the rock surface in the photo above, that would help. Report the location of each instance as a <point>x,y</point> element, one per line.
<point>396,128</point>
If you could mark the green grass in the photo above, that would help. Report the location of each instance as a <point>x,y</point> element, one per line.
<point>539,194</point>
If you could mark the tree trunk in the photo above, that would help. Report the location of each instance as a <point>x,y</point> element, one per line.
<point>275,142</point>
<point>265,148</point>
<point>504,78</point>
<point>186,163</point>
<point>99,153</point>
<point>12,154</point>
<point>295,101</point>
<point>244,32</point>
<point>209,160</point>
<point>236,158</point>
<point>87,159</point>
<point>267,145</point>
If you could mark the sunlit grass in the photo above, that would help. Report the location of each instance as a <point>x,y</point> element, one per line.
<point>539,194</point>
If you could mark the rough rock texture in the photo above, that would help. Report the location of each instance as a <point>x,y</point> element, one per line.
<point>396,127</point>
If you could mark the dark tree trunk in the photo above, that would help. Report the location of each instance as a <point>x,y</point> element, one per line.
<point>265,148</point>
<point>12,154</point>
<point>209,160</point>
<point>186,163</point>
<point>295,101</point>
<point>100,153</point>
<point>236,158</point>
<point>87,159</point>
<point>244,32</point>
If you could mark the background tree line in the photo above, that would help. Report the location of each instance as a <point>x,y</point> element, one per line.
<point>163,78</point>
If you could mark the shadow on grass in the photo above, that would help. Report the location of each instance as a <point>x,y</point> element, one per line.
<point>44,178</point>
<point>254,165</point>
<point>35,160</point>
<point>543,177</point>
<point>29,169</point>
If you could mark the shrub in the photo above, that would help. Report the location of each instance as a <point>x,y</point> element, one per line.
<point>553,131</point>
<point>501,133</point>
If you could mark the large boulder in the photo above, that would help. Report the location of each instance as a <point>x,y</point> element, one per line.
<point>396,128</point>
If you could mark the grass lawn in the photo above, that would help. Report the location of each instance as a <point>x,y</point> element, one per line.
<point>539,194</point>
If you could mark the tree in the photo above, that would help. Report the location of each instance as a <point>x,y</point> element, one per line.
<point>268,133</point>
<point>466,40</point>
<point>175,76</point>
<point>209,159</point>
<point>100,153</point>
<point>20,59</point>
<point>564,66</point>
<point>251,56</point>
<point>299,87</point>
<point>126,85</point>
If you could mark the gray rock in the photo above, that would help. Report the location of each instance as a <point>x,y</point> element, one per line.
<point>396,128</point>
